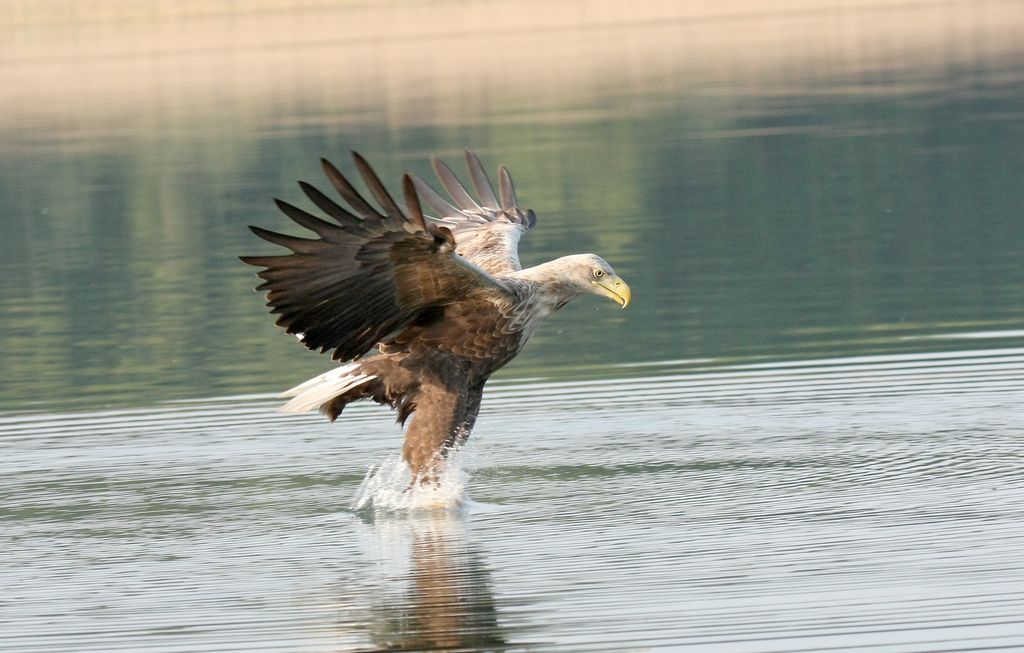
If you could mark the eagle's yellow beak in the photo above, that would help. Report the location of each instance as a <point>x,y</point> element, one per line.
<point>615,289</point>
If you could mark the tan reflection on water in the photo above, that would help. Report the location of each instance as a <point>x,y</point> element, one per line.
<point>446,600</point>
<point>117,70</point>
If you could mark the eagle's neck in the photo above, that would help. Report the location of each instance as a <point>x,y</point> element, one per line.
<point>553,287</point>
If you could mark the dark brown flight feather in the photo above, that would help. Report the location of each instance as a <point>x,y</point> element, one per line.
<point>412,201</point>
<point>366,278</point>
<point>377,188</point>
<point>350,195</point>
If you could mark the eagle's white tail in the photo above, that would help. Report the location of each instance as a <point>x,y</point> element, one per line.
<point>321,389</point>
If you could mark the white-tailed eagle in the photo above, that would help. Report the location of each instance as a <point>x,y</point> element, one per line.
<point>442,297</point>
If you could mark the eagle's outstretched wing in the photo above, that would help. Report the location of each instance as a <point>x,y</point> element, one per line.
<point>486,231</point>
<point>368,276</point>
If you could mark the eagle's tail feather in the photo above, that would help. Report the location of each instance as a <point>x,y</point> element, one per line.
<point>321,389</point>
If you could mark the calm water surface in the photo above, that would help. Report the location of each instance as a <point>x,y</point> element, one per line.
<point>804,435</point>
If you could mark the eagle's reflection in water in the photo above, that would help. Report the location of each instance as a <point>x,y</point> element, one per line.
<point>439,596</point>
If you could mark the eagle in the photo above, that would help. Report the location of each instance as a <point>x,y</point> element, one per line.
<point>441,297</point>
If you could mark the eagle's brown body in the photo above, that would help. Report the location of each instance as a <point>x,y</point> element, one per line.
<point>443,299</point>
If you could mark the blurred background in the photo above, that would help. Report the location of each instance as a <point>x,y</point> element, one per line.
<point>803,435</point>
<point>778,179</point>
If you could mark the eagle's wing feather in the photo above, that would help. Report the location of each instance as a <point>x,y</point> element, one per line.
<point>367,277</point>
<point>480,180</point>
<point>487,231</point>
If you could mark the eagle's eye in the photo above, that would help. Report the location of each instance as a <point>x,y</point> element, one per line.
<point>599,273</point>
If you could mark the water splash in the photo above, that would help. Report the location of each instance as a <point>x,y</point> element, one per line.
<point>388,487</point>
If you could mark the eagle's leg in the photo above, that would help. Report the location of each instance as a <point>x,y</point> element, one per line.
<point>441,423</point>
<point>462,430</point>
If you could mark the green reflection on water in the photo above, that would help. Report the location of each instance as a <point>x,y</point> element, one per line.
<point>804,224</point>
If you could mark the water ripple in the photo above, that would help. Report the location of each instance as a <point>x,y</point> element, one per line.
<point>870,503</point>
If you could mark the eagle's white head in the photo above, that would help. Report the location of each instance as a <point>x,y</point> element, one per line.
<point>566,278</point>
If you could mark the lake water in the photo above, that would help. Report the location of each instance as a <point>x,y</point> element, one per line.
<point>803,435</point>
